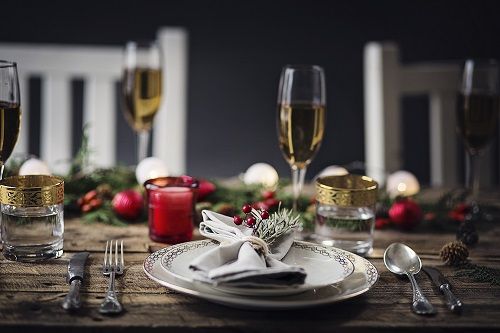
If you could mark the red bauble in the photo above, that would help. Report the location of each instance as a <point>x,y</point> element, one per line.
<point>128,204</point>
<point>382,222</point>
<point>205,188</point>
<point>459,212</point>
<point>271,202</point>
<point>261,205</point>
<point>268,194</point>
<point>405,213</point>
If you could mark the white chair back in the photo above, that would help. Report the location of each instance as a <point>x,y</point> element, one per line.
<point>385,81</point>
<point>100,67</point>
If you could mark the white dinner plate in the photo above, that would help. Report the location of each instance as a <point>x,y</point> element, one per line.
<point>361,280</point>
<point>323,267</point>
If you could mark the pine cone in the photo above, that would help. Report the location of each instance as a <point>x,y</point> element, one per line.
<point>454,253</point>
<point>224,209</point>
<point>105,191</point>
<point>467,233</point>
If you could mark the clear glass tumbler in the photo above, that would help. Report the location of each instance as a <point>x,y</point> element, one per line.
<point>32,217</point>
<point>345,212</point>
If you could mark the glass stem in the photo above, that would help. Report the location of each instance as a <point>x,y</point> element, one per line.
<point>2,166</point>
<point>473,172</point>
<point>298,177</point>
<point>142,151</point>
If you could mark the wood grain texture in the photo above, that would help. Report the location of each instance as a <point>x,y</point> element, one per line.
<point>30,294</point>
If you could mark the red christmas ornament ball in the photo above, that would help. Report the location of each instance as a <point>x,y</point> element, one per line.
<point>205,189</point>
<point>382,222</point>
<point>260,205</point>
<point>271,202</point>
<point>128,204</point>
<point>268,194</point>
<point>405,213</point>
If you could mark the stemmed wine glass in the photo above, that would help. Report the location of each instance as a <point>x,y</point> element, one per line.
<point>301,119</point>
<point>142,88</point>
<point>10,110</point>
<point>477,114</point>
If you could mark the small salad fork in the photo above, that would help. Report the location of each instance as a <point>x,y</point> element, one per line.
<point>111,305</point>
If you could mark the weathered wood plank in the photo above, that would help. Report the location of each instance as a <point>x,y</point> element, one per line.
<point>81,236</point>
<point>179,313</point>
<point>30,294</point>
<point>51,277</point>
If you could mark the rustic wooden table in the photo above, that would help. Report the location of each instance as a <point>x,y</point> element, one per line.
<point>31,294</point>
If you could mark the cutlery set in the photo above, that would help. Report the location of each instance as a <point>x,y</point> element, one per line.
<point>398,258</point>
<point>113,266</point>
<point>401,259</point>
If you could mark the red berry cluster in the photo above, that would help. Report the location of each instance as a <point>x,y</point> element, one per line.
<point>251,217</point>
<point>90,201</point>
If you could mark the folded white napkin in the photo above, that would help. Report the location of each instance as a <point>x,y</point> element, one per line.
<point>236,263</point>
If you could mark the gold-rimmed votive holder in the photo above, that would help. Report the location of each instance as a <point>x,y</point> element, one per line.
<point>345,212</point>
<point>32,220</point>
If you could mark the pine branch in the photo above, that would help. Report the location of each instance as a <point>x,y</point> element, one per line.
<point>278,224</point>
<point>479,273</point>
<point>81,160</point>
<point>104,215</point>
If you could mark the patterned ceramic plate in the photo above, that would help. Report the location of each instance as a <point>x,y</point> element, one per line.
<point>361,280</point>
<point>323,267</point>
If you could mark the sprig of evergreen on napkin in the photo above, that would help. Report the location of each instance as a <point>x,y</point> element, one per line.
<point>278,224</point>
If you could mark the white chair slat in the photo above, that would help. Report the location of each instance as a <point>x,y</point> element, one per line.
<point>385,81</point>
<point>443,147</point>
<point>101,67</point>
<point>423,78</point>
<point>169,139</point>
<point>21,147</point>
<point>56,122</point>
<point>382,117</point>
<point>99,114</point>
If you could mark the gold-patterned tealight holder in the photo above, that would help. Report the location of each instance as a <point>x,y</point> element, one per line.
<point>32,217</point>
<point>345,212</point>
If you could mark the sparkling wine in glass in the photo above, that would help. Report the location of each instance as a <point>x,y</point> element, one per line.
<point>300,119</point>
<point>478,109</point>
<point>142,89</point>
<point>10,111</point>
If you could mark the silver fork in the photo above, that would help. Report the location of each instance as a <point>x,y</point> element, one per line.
<point>111,305</point>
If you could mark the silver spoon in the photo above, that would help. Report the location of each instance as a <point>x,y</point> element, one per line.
<point>400,259</point>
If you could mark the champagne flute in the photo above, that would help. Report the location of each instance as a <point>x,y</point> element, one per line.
<point>478,109</point>
<point>10,110</point>
<point>301,119</point>
<point>142,90</point>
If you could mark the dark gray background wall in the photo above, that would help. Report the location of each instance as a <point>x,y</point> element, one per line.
<point>237,49</point>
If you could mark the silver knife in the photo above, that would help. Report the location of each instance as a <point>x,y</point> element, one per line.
<point>444,286</point>
<point>75,278</point>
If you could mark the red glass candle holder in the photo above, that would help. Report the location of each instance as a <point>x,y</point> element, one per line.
<point>171,208</point>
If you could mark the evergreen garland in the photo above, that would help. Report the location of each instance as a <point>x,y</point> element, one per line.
<point>479,273</point>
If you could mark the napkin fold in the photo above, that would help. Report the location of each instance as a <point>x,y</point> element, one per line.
<point>236,263</point>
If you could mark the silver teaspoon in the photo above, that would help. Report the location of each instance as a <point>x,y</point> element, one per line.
<point>401,259</point>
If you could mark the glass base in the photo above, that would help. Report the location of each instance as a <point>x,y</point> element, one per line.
<point>359,247</point>
<point>33,253</point>
<point>174,239</point>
